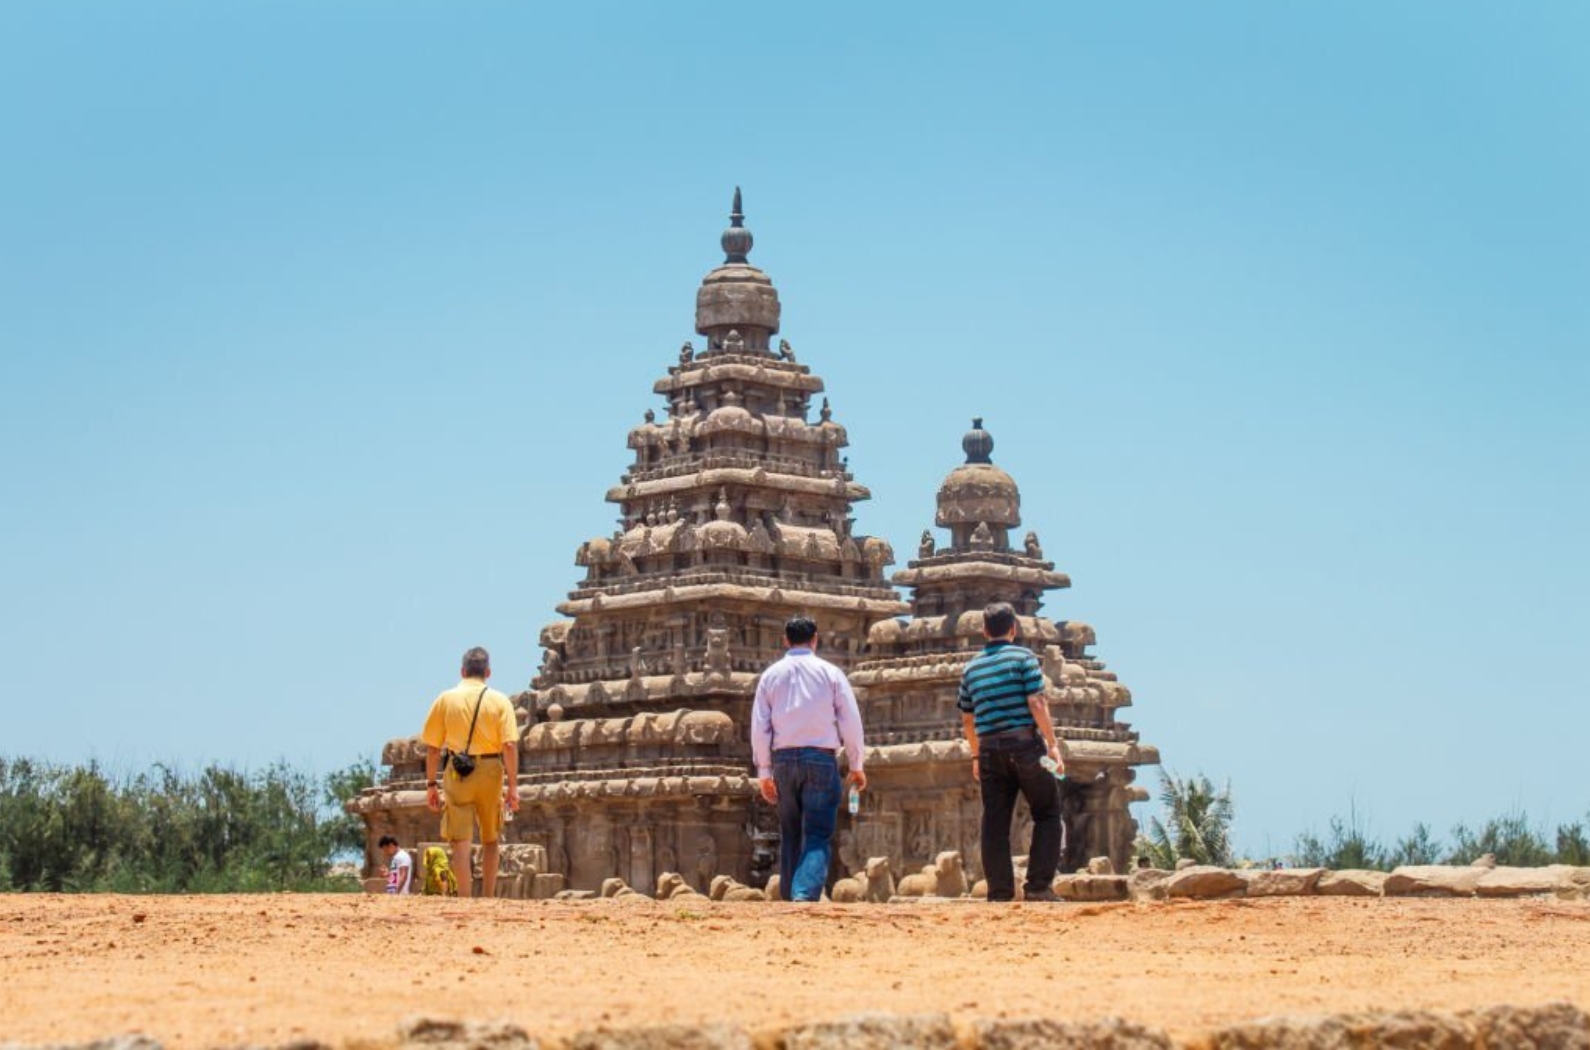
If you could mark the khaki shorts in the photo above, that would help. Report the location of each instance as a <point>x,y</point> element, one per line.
<point>477,797</point>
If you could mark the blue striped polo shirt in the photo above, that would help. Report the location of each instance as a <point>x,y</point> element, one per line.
<point>995,687</point>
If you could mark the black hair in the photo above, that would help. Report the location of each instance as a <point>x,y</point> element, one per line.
<point>476,662</point>
<point>800,629</point>
<point>386,840</point>
<point>998,619</point>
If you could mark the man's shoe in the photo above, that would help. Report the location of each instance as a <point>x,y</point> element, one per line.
<point>1044,896</point>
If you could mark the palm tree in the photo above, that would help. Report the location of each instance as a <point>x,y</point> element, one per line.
<point>1197,824</point>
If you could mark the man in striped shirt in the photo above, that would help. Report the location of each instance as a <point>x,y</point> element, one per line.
<point>1007,724</point>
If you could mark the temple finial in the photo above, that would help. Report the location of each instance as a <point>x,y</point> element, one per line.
<point>736,239</point>
<point>978,443</point>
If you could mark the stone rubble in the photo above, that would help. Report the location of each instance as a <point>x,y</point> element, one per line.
<point>1557,1026</point>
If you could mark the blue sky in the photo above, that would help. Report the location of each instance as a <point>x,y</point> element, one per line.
<point>321,327</point>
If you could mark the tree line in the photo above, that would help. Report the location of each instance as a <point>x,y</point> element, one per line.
<point>223,830</point>
<point>220,830</point>
<point>1195,823</point>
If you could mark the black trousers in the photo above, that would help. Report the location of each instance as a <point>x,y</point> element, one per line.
<point>1008,766</point>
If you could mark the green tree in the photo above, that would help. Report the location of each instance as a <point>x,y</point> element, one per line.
<point>344,831</point>
<point>1196,823</point>
<point>1509,838</point>
<point>1572,845</point>
<point>1417,847</point>
<point>1349,846</point>
<point>74,829</point>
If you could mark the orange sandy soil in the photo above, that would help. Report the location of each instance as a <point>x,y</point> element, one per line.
<point>265,970</point>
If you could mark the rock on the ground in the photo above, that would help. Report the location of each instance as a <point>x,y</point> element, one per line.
<point>445,1034</point>
<point>1351,882</point>
<point>1148,884</point>
<point>1205,883</point>
<point>1406,1030</point>
<point>1561,1026</point>
<point>1433,880</point>
<point>1282,882</point>
<point>1553,879</point>
<point>1081,887</point>
<point>874,1032</point>
<point>1111,1033</point>
<point>664,1037</point>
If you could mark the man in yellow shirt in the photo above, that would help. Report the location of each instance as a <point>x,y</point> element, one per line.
<point>481,796</point>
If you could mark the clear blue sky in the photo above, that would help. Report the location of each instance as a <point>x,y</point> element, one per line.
<point>321,327</point>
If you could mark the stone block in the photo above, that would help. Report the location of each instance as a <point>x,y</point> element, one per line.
<point>1205,883</point>
<point>1406,1030</point>
<point>1351,882</point>
<point>1551,880</point>
<point>1561,1026</point>
<point>1081,887</point>
<point>1433,880</point>
<point>664,1037</point>
<point>875,1032</point>
<point>1110,1033</point>
<point>546,887</point>
<point>1282,882</point>
<point>444,1034</point>
<point>1148,884</point>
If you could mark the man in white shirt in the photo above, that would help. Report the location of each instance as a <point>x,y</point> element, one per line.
<point>399,866</point>
<point>804,712</point>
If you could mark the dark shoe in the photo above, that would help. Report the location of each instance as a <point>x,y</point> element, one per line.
<point>1042,897</point>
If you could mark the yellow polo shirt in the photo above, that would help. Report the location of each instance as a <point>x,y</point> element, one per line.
<point>447,724</point>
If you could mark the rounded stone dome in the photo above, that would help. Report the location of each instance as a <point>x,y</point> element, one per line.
<point>737,296</point>
<point>730,415</point>
<point>978,492</point>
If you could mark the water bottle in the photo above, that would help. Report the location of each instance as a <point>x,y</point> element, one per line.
<point>854,804</point>
<point>1052,766</point>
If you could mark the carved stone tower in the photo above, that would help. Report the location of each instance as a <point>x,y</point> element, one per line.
<point>922,797</point>
<point>734,516</point>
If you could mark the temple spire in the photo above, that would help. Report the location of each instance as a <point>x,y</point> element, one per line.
<point>736,239</point>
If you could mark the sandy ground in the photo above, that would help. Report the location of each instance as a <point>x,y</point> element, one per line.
<point>264,970</point>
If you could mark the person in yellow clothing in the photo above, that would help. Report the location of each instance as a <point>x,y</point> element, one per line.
<point>475,720</point>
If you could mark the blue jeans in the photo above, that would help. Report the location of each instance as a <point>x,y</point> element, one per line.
<point>807,779</point>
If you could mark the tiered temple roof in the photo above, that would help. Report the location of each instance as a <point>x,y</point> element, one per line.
<point>912,674</point>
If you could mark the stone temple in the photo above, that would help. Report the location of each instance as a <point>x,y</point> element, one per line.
<point>737,513</point>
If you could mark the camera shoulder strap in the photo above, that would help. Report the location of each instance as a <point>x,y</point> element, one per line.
<point>472,719</point>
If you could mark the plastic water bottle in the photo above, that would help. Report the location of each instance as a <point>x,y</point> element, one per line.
<point>854,804</point>
<point>1052,766</point>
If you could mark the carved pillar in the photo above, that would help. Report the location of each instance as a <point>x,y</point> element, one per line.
<point>641,876</point>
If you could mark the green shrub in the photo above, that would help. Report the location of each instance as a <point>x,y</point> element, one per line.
<point>75,830</point>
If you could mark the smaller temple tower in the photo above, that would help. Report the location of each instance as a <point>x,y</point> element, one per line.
<point>922,797</point>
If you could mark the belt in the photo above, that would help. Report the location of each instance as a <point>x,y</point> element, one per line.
<point>1018,733</point>
<point>488,756</point>
<point>1008,739</point>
